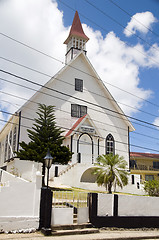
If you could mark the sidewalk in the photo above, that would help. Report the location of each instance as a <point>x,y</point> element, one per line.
<point>104,234</point>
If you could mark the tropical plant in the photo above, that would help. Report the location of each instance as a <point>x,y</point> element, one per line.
<point>43,135</point>
<point>111,170</point>
<point>152,187</point>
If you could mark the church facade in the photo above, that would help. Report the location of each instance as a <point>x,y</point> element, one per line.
<point>92,121</point>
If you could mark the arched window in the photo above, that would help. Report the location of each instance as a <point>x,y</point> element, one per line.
<point>9,145</point>
<point>110,144</point>
<point>6,147</point>
<point>14,139</point>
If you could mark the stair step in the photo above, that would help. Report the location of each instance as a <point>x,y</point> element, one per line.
<point>75,232</point>
<point>71,227</point>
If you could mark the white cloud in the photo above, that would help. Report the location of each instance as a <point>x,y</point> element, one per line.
<point>156,122</point>
<point>39,24</point>
<point>119,65</point>
<point>139,22</point>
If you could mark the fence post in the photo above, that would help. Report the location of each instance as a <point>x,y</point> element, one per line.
<point>115,213</point>
<point>93,201</point>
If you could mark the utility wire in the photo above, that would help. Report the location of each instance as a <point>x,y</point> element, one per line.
<point>131,145</point>
<point>156,129</point>
<point>37,71</point>
<point>57,108</point>
<point>104,29</point>
<point>69,113</point>
<point>154,104</point>
<point>122,9</point>
<point>1,120</point>
<point>34,49</point>
<point>92,119</point>
<point>76,98</point>
<point>114,20</point>
<point>135,119</point>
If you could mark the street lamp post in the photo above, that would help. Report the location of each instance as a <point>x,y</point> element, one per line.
<point>48,162</point>
<point>46,200</point>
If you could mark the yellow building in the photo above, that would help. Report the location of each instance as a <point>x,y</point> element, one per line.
<point>144,164</point>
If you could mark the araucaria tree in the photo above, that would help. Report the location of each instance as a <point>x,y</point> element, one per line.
<point>111,171</point>
<point>45,134</point>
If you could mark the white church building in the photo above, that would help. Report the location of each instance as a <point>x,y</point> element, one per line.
<point>92,121</point>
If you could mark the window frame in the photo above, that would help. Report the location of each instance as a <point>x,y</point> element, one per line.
<point>110,144</point>
<point>14,138</point>
<point>6,149</point>
<point>78,112</point>
<point>155,164</point>
<point>10,144</point>
<point>149,177</point>
<point>78,85</point>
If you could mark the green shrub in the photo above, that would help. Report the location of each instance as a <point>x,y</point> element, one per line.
<point>152,187</point>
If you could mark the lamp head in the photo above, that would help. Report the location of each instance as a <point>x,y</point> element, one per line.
<point>48,159</point>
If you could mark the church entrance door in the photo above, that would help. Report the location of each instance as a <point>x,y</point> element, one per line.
<point>85,148</point>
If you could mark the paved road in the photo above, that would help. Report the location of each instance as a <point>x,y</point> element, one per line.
<point>104,234</point>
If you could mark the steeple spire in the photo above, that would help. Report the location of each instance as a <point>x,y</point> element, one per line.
<point>76,39</point>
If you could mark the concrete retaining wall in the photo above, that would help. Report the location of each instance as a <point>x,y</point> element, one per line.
<point>128,211</point>
<point>128,205</point>
<point>62,216</point>
<point>105,204</point>
<point>24,168</point>
<point>19,203</point>
<point>138,206</point>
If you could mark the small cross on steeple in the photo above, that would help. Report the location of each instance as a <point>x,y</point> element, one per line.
<point>76,40</point>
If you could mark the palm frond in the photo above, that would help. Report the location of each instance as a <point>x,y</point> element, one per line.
<point>111,170</point>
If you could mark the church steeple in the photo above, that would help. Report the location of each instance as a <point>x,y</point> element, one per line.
<point>76,40</point>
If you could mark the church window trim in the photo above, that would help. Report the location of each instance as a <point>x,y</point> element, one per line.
<point>78,84</point>
<point>9,145</point>
<point>78,110</point>
<point>14,138</point>
<point>110,144</point>
<point>6,148</point>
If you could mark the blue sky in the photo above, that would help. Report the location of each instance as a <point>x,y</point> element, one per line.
<point>130,63</point>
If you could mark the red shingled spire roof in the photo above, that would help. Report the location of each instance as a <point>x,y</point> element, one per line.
<point>76,29</point>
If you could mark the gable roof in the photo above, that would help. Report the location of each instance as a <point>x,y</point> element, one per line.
<point>75,125</point>
<point>95,76</point>
<point>79,122</point>
<point>76,29</point>
<point>144,155</point>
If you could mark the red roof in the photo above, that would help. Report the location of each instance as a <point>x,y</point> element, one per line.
<point>76,29</point>
<point>147,155</point>
<point>75,125</point>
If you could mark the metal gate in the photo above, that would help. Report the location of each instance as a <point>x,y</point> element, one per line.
<point>69,208</point>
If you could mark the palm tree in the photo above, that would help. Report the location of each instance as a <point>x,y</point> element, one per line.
<point>111,170</point>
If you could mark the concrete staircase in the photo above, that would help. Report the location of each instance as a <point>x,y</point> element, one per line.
<point>74,229</point>
<point>67,169</point>
<point>75,218</point>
